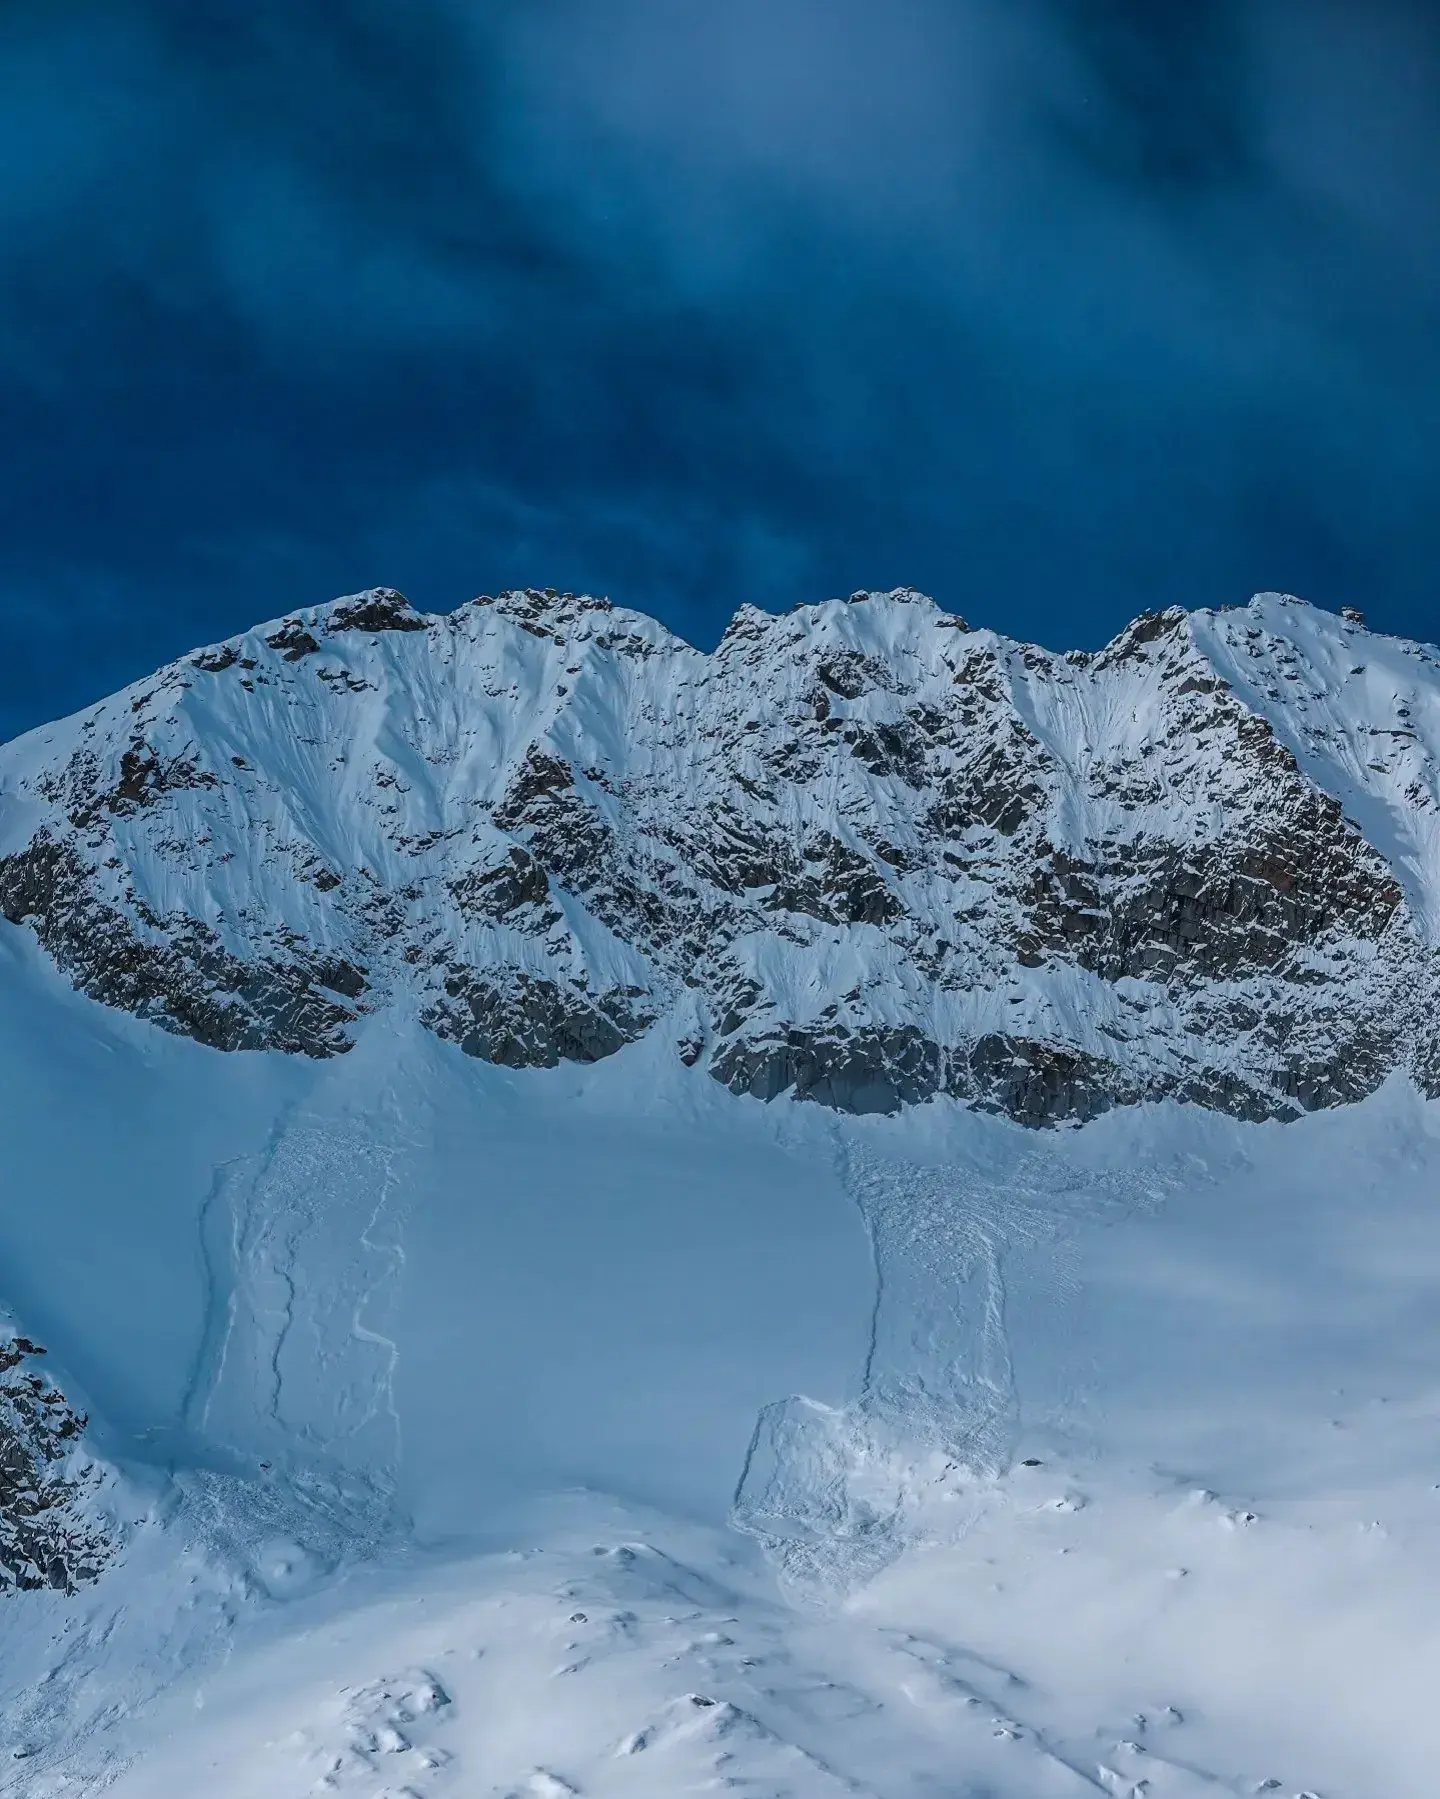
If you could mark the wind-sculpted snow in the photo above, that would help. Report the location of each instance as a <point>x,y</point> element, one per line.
<point>860,853</point>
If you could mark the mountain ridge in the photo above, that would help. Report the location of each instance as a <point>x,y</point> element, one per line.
<point>859,852</point>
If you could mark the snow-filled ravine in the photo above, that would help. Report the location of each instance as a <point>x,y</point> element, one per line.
<point>462,1430</point>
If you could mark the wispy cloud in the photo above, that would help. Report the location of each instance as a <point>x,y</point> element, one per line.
<point>1058,307</point>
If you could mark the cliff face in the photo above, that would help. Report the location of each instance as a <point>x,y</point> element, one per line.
<point>51,1534</point>
<point>859,853</point>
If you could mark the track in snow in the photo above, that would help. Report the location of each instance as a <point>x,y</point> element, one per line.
<point>835,1493</point>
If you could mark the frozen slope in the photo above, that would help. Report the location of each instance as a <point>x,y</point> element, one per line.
<point>444,1278</point>
<point>429,1293</point>
<point>324,1313</point>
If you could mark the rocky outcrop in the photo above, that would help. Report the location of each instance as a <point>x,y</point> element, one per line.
<point>860,854</point>
<point>520,1021</point>
<point>51,1534</point>
<point>176,970</point>
<point>380,609</point>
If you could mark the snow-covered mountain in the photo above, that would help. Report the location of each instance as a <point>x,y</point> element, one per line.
<point>861,852</point>
<point>458,1383</point>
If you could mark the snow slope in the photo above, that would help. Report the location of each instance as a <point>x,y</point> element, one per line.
<point>459,1427</point>
<point>1361,714</point>
<point>1217,1341</point>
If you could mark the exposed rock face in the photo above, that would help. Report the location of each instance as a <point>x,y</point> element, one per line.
<point>859,853</point>
<point>49,1535</point>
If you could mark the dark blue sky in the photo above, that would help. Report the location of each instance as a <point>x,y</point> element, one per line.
<point>1056,308</point>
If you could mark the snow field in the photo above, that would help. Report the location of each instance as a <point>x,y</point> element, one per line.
<point>1102,1461</point>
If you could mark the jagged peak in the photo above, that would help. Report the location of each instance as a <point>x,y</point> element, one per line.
<point>372,609</point>
<point>1267,607</point>
<point>897,596</point>
<point>375,609</point>
<point>563,614</point>
<point>1308,628</point>
<point>371,636</point>
<point>746,622</point>
<point>1159,626</point>
<point>566,617</point>
<point>871,621</point>
<point>847,813</point>
<point>889,598</point>
<point>542,602</point>
<point>1273,597</point>
<point>1273,607</point>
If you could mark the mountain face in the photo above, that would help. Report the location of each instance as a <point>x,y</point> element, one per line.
<point>50,1536</point>
<point>467,1421</point>
<point>860,853</point>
